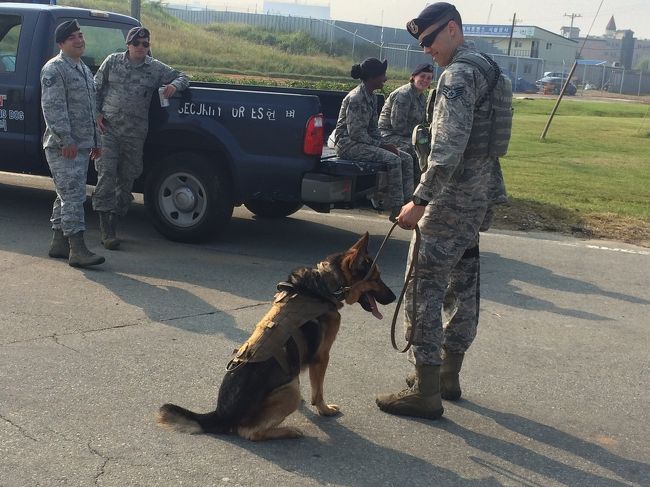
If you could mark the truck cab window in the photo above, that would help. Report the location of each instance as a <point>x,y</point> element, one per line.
<point>9,35</point>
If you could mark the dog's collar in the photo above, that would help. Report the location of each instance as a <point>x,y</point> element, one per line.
<point>341,293</point>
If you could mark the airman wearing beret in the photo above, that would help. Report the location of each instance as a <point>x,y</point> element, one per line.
<point>126,82</point>
<point>403,110</point>
<point>68,104</point>
<point>449,205</point>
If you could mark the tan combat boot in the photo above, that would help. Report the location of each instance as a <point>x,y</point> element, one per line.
<point>59,247</point>
<point>422,400</point>
<point>449,380</point>
<point>107,230</point>
<point>80,256</point>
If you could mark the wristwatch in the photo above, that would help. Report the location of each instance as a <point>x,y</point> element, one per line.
<point>419,201</point>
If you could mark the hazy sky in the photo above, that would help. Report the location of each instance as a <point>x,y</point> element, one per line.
<point>549,14</point>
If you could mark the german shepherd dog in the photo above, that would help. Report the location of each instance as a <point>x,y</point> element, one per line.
<point>255,397</point>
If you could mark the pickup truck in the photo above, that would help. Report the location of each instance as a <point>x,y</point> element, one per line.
<point>213,148</point>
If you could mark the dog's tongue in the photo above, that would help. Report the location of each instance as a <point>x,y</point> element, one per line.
<point>375,310</point>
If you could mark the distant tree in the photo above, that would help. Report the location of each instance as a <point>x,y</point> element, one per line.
<point>643,64</point>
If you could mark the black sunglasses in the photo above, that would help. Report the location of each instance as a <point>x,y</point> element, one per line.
<point>144,43</point>
<point>431,37</point>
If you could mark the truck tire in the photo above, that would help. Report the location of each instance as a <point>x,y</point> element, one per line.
<point>272,209</point>
<point>188,198</point>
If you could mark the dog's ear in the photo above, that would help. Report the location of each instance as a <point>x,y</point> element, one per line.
<point>357,253</point>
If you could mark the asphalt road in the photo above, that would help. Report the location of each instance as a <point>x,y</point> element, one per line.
<point>555,386</point>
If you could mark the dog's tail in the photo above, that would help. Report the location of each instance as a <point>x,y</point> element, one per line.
<point>176,418</point>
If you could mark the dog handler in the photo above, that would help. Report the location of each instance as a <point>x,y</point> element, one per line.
<point>450,204</point>
<point>125,84</point>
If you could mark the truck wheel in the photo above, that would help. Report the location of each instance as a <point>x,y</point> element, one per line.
<point>272,209</point>
<point>188,198</point>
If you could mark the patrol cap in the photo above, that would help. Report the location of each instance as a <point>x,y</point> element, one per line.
<point>369,68</point>
<point>65,30</point>
<point>432,14</point>
<point>137,33</point>
<point>422,68</point>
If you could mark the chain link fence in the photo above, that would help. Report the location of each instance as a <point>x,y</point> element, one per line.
<point>359,41</point>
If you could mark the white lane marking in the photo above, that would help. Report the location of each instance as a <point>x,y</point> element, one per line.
<point>592,246</point>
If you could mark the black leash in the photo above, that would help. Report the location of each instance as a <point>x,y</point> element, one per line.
<point>413,271</point>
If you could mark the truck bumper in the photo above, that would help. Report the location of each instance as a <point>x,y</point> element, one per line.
<point>340,181</point>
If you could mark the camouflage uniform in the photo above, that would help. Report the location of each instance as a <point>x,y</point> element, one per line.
<point>124,92</point>
<point>357,137</point>
<point>403,110</point>
<point>68,103</point>
<point>463,297</point>
<point>459,183</point>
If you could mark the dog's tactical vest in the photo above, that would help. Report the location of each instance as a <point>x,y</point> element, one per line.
<point>290,311</point>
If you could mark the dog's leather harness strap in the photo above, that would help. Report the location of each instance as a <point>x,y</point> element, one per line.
<point>289,312</point>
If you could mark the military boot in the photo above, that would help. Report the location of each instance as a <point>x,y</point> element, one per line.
<point>107,230</point>
<point>59,247</point>
<point>80,256</point>
<point>449,380</point>
<point>422,400</point>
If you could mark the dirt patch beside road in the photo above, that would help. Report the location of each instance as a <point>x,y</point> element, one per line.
<point>527,215</point>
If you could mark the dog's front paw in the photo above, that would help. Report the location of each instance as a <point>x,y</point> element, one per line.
<point>328,409</point>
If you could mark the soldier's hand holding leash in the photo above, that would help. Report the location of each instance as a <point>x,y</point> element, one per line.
<point>95,153</point>
<point>410,215</point>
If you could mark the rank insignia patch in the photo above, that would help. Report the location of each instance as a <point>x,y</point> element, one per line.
<point>452,92</point>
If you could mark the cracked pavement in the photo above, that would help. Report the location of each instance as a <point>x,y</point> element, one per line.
<point>555,386</point>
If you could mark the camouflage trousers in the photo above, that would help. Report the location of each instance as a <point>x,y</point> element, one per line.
<point>69,176</point>
<point>399,186</point>
<point>462,302</point>
<point>117,169</point>
<point>405,144</point>
<point>448,280</point>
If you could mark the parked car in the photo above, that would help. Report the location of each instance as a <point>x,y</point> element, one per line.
<point>519,84</point>
<point>553,85</point>
<point>554,74</point>
<point>524,86</point>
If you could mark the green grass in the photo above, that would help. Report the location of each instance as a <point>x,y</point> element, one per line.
<point>595,158</point>
<point>207,51</point>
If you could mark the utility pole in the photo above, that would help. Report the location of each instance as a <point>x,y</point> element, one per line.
<point>573,16</point>
<point>512,31</point>
<point>135,9</point>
